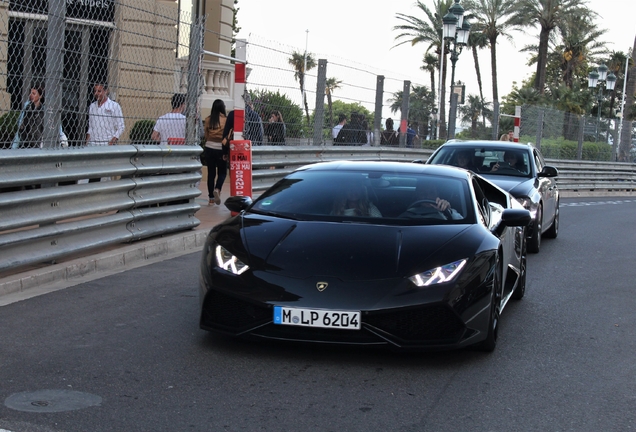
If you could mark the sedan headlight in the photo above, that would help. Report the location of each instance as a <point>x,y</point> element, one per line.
<point>527,204</point>
<point>229,262</point>
<point>445,273</point>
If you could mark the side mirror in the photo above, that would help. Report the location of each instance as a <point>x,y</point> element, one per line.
<point>238,203</point>
<point>516,217</point>
<point>549,171</point>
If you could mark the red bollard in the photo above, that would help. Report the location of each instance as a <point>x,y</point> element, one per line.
<point>241,168</point>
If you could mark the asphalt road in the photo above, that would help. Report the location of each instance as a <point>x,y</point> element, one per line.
<point>124,353</point>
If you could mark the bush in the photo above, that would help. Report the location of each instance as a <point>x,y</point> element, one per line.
<point>8,128</point>
<point>141,132</point>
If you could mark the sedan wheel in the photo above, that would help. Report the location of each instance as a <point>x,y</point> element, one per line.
<point>520,290</point>
<point>489,344</point>
<point>553,231</point>
<point>534,242</point>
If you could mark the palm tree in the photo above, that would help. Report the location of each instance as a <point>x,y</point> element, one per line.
<point>428,30</point>
<point>421,104</point>
<point>298,61</point>
<point>331,84</point>
<point>547,15</point>
<point>494,18</point>
<point>626,130</point>
<point>579,42</point>
<point>471,112</point>
<point>430,65</point>
<point>477,40</point>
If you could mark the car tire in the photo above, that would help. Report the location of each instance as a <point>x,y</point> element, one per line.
<point>520,290</point>
<point>553,231</point>
<point>534,242</point>
<point>490,343</point>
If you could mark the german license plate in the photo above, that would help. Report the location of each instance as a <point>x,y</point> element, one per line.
<point>349,320</point>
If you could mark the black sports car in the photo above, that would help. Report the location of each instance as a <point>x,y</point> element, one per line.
<point>406,255</point>
<point>517,168</point>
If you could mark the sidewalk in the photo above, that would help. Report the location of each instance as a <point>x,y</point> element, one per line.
<point>47,277</point>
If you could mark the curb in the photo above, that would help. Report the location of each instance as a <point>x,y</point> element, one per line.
<point>82,269</point>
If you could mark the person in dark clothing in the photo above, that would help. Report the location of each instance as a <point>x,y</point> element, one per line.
<point>389,137</point>
<point>275,129</point>
<point>352,133</point>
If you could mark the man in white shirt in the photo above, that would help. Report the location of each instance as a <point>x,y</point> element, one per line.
<point>105,119</point>
<point>170,128</point>
<point>342,120</point>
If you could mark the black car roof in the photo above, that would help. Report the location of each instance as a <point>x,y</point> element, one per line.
<point>400,167</point>
<point>488,144</point>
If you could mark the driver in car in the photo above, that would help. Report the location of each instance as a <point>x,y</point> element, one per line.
<point>512,159</point>
<point>427,196</point>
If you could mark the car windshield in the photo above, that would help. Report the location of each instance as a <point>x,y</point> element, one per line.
<point>495,161</point>
<point>388,198</point>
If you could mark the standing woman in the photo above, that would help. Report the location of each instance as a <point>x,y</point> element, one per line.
<point>215,152</point>
<point>31,121</point>
<point>276,129</point>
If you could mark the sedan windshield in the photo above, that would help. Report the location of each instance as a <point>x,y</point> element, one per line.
<point>369,197</point>
<point>496,161</point>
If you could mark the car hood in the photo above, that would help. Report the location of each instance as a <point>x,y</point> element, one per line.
<point>517,186</point>
<point>351,251</point>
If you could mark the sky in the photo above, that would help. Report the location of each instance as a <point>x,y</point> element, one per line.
<point>360,32</point>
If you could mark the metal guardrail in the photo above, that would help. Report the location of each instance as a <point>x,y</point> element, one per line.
<point>271,163</point>
<point>45,214</point>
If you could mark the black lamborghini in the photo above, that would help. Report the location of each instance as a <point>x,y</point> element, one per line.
<point>408,256</point>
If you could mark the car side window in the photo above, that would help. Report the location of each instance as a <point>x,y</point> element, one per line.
<point>483,206</point>
<point>538,160</point>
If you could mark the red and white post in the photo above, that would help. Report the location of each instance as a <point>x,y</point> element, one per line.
<point>517,128</point>
<point>240,149</point>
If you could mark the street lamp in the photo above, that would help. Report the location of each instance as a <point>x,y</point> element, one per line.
<point>594,79</point>
<point>456,30</point>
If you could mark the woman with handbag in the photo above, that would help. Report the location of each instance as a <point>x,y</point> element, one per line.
<point>215,151</point>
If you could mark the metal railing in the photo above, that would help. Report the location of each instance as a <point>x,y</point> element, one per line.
<point>49,209</point>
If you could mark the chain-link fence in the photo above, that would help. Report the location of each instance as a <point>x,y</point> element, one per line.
<point>61,57</point>
<point>563,135</point>
<point>277,84</point>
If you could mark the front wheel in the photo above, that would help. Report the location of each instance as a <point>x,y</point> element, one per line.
<point>534,242</point>
<point>553,231</point>
<point>520,289</point>
<point>490,343</point>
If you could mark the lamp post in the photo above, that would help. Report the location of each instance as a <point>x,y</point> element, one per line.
<point>456,30</point>
<point>594,79</point>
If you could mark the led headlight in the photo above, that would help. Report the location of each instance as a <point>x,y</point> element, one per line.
<point>527,203</point>
<point>445,273</point>
<point>229,262</point>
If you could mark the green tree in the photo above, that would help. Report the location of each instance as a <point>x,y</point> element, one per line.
<point>299,61</point>
<point>626,131</point>
<point>547,15</point>
<point>427,30</point>
<point>421,104</point>
<point>477,40</point>
<point>470,112</point>
<point>494,18</point>
<point>331,84</point>
<point>430,65</point>
<point>266,101</point>
<point>346,108</point>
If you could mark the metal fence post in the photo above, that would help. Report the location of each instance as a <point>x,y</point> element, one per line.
<point>195,57</point>
<point>579,149</point>
<point>319,113</point>
<point>452,115</point>
<point>54,72</point>
<point>377,120</point>
<point>406,92</point>
<point>539,128</point>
